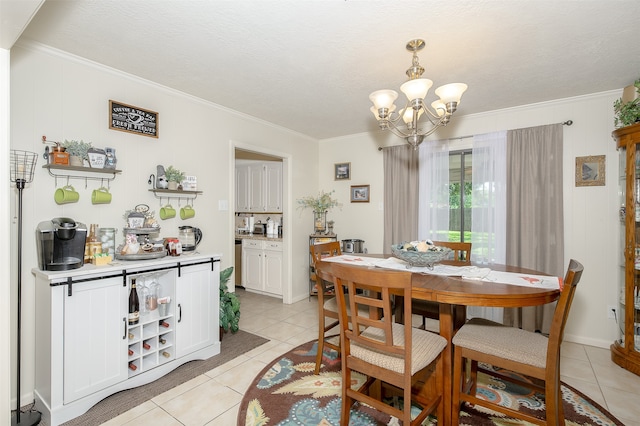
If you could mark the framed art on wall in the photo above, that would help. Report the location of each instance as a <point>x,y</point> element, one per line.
<point>127,118</point>
<point>590,171</point>
<point>360,193</point>
<point>342,171</point>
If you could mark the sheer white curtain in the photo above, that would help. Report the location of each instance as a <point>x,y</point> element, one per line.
<point>433,204</point>
<point>489,208</point>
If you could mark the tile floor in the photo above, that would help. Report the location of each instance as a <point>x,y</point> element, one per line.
<point>213,399</point>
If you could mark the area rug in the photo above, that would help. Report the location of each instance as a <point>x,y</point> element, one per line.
<point>233,345</point>
<point>287,393</point>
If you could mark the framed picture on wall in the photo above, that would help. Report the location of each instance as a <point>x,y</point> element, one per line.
<point>590,171</point>
<point>128,118</point>
<point>342,171</point>
<point>360,193</point>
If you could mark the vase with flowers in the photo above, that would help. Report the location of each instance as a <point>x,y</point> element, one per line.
<point>320,206</point>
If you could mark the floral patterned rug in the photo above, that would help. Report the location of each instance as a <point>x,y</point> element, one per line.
<point>287,393</point>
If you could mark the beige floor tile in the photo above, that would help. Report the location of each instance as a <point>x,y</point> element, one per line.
<point>202,404</point>
<point>155,417</point>
<point>255,323</point>
<point>134,413</point>
<point>600,356</point>
<point>577,369</point>
<point>262,348</point>
<point>574,351</point>
<point>621,403</point>
<point>180,389</point>
<point>302,338</point>
<point>282,331</point>
<point>616,377</point>
<point>240,377</point>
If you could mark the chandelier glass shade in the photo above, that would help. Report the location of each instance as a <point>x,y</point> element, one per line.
<point>406,123</point>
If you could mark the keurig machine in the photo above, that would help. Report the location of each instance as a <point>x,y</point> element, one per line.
<point>60,243</point>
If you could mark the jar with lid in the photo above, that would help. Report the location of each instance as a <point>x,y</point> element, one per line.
<point>107,236</point>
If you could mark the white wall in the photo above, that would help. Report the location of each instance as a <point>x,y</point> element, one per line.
<point>6,325</point>
<point>591,213</point>
<point>65,97</point>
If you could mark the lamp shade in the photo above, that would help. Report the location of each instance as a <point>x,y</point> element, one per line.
<point>451,92</point>
<point>439,107</point>
<point>416,89</point>
<point>383,98</point>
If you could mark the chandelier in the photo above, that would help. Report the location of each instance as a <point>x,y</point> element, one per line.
<point>406,122</point>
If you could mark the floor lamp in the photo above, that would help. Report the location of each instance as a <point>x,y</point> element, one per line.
<point>22,165</point>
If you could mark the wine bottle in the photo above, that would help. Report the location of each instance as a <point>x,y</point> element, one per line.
<point>166,354</point>
<point>132,366</point>
<point>130,352</point>
<point>146,346</point>
<point>134,304</point>
<point>163,340</point>
<point>164,324</point>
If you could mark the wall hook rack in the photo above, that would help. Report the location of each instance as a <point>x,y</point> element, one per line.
<point>86,173</point>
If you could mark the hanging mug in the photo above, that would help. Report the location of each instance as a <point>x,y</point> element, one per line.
<point>167,212</point>
<point>66,194</point>
<point>101,196</point>
<point>187,212</point>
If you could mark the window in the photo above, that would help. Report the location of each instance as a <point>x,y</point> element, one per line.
<point>460,186</point>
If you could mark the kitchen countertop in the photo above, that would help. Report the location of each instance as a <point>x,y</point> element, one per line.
<point>256,237</point>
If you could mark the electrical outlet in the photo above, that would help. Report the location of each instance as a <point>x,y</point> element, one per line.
<point>611,312</point>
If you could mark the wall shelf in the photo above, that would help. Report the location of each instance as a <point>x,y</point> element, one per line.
<point>175,193</point>
<point>86,173</point>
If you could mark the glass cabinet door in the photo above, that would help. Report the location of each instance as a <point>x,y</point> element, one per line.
<point>622,191</point>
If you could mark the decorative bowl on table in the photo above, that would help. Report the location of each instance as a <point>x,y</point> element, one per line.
<point>420,253</point>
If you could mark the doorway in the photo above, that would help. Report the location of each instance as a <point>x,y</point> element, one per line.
<point>242,153</point>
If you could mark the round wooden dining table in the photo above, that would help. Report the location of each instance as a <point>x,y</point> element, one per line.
<point>454,294</point>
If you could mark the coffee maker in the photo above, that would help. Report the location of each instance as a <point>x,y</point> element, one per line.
<point>60,242</point>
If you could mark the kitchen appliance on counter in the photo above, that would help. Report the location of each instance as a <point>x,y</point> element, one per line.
<point>60,243</point>
<point>352,246</point>
<point>189,237</point>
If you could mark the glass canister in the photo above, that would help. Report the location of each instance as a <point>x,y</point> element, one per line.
<point>107,236</point>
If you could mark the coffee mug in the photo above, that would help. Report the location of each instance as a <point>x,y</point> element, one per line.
<point>187,212</point>
<point>66,194</point>
<point>167,212</point>
<point>101,196</point>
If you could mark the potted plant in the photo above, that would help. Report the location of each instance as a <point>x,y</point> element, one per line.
<point>229,305</point>
<point>77,151</point>
<point>174,177</point>
<point>320,206</point>
<point>627,113</point>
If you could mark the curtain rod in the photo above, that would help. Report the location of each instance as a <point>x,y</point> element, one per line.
<point>564,123</point>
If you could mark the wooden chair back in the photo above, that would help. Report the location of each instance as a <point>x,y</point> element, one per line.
<point>560,316</point>
<point>327,305</point>
<point>461,252</point>
<point>373,289</point>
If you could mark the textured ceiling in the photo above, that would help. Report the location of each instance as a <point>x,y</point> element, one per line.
<point>310,66</point>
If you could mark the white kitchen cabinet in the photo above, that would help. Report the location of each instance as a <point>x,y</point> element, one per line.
<point>242,188</point>
<point>262,266</point>
<point>197,308</point>
<point>95,337</point>
<point>259,187</point>
<point>85,349</point>
<point>273,187</point>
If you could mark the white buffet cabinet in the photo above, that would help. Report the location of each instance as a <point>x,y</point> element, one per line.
<point>85,349</point>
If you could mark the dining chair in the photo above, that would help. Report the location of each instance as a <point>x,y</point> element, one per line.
<point>461,255</point>
<point>327,303</point>
<point>513,349</point>
<point>396,358</point>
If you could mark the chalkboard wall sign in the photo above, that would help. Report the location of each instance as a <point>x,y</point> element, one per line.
<point>127,118</point>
